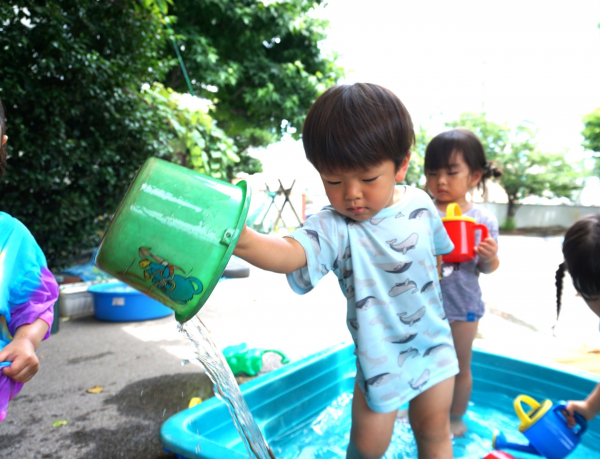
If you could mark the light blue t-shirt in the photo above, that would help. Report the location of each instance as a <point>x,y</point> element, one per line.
<point>386,268</point>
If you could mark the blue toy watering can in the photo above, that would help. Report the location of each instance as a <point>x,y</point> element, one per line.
<point>546,429</point>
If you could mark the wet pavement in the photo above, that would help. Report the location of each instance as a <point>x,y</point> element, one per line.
<point>138,364</point>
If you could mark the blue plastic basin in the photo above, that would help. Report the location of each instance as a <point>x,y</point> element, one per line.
<point>291,396</point>
<point>117,302</point>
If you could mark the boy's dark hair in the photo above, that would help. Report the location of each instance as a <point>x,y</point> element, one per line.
<point>442,146</point>
<point>2,147</point>
<point>357,126</point>
<point>581,249</point>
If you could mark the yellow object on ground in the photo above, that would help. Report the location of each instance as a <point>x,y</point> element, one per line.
<point>95,390</point>
<point>195,401</point>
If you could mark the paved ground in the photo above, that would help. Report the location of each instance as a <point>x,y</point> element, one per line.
<point>138,365</point>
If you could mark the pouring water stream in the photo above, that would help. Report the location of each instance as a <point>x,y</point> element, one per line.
<point>226,388</point>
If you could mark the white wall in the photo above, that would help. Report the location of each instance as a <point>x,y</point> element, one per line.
<point>541,216</point>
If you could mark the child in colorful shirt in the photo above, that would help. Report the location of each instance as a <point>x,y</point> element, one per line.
<point>381,241</point>
<point>28,292</point>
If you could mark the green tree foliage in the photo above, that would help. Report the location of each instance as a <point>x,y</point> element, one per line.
<point>259,63</point>
<point>78,128</point>
<point>198,142</point>
<point>591,136</point>
<point>415,174</point>
<point>80,125</point>
<point>525,170</point>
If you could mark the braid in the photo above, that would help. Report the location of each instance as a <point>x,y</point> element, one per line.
<point>491,171</point>
<point>560,274</point>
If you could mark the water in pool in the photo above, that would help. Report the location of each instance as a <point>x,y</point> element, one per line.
<point>327,436</point>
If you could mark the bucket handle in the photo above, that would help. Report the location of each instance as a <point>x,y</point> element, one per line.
<point>579,419</point>
<point>484,231</point>
<point>523,417</point>
<point>284,358</point>
<point>453,210</point>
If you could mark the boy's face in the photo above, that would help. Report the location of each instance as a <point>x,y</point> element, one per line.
<point>451,184</point>
<point>361,194</point>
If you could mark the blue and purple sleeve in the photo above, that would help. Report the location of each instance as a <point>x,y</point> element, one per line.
<point>28,292</point>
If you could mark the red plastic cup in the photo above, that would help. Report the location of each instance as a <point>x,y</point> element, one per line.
<point>462,234</point>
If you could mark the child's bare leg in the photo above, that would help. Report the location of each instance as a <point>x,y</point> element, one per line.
<point>429,418</point>
<point>371,432</point>
<point>463,334</point>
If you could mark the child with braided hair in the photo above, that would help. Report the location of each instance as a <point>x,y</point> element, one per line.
<point>581,249</point>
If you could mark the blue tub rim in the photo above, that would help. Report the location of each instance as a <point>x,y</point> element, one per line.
<point>214,449</point>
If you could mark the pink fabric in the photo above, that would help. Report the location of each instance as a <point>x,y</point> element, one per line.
<point>8,389</point>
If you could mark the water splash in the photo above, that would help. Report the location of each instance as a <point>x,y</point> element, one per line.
<point>226,388</point>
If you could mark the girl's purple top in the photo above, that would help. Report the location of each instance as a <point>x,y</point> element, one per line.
<point>28,291</point>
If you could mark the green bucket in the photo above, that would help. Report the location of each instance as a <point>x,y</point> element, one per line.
<point>173,234</point>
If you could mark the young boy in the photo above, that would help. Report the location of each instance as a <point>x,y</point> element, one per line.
<point>381,241</point>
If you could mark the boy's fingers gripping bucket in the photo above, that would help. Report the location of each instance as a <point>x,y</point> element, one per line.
<point>461,231</point>
<point>173,234</point>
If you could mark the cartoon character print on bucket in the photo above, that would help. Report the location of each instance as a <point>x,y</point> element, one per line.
<point>178,288</point>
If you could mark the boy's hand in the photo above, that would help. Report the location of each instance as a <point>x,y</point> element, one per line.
<point>487,249</point>
<point>581,407</point>
<point>25,364</point>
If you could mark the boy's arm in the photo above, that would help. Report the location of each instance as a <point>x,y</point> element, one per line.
<point>272,253</point>
<point>438,259</point>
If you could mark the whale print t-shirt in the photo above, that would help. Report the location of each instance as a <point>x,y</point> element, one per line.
<point>386,268</point>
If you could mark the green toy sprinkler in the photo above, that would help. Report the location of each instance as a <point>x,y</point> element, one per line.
<point>249,361</point>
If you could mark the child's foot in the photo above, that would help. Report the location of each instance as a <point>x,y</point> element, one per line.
<point>458,428</point>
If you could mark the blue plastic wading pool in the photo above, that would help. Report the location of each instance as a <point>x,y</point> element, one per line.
<point>117,302</point>
<point>292,397</point>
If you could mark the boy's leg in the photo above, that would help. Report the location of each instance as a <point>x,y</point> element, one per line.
<point>371,432</point>
<point>429,418</point>
<point>463,334</point>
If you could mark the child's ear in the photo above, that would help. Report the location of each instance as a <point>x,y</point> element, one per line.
<point>4,139</point>
<point>476,177</point>
<point>401,172</point>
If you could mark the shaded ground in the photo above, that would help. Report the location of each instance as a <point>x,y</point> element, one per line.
<point>143,384</point>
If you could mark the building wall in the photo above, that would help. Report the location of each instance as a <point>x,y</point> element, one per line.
<point>541,216</point>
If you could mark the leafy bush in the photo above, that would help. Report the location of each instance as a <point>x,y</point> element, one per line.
<point>78,128</point>
<point>259,63</point>
<point>196,135</point>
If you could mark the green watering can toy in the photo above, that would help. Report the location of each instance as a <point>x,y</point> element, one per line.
<point>173,234</point>
<point>243,360</point>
